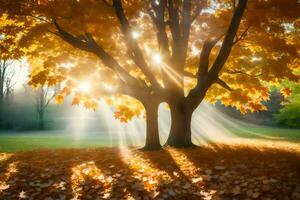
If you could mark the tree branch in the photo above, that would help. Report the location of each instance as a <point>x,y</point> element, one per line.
<point>242,72</point>
<point>87,43</point>
<point>186,23</point>
<point>219,81</point>
<point>242,36</point>
<point>228,40</point>
<point>223,84</point>
<point>175,28</point>
<point>189,74</point>
<point>204,57</point>
<point>157,15</point>
<point>159,21</point>
<point>206,79</point>
<point>203,66</point>
<point>133,48</point>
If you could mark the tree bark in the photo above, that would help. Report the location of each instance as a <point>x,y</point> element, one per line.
<point>152,134</point>
<point>180,134</point>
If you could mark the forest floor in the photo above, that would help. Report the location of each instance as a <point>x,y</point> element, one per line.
<point>244,169</point>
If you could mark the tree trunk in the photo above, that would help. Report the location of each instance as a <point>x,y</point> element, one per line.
<point>1,90</point>
<point>41,120</point>
<point>1,101</point>
<point>152,134</point>
<point>180,134</point>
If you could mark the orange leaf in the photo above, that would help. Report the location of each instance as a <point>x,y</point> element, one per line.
<point>286,91</point>
<point>59,99</point>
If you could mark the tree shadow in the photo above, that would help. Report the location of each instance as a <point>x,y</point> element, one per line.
<point>248,170</point>
<point>42,174</point>
<point>125,182</point>
<point>179,179</point>
<point>108,173</point>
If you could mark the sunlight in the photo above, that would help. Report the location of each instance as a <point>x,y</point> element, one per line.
<point>191,172</point>
<point>105,113</point>
<point>108,87</point>
<point>157,58</point>
<point>254,59</point>
<point>79,120</point>
<point>185,165</point>
<point>140,100</point>
<point>4,157</point>
<point>195,51</point>
<point>144,170</point>
<point>85,87</point>
<point>135,34</point>
<point>208,124</point>
<point>67,65</point>
<point>172,74</point>
<point>4,177</point>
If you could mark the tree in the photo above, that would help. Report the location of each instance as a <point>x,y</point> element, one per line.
<point>8,54</point>
<point>142,53</point>
<point>42,95</point>
<point>289,115</point>
<point>6,76</point>
<point>9,78</point>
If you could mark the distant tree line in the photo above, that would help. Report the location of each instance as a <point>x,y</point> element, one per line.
<point>282,112</point>
<point>14,112</point>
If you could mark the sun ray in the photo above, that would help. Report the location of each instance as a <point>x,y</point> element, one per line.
<point>11,169</point>
<point>143,170</point>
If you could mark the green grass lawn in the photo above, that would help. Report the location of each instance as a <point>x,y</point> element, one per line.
<point>11,142</point>
<point>246,130</point>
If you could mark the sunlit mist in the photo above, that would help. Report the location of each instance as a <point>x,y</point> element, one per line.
<point>85,87</point>
<point>208,125</point>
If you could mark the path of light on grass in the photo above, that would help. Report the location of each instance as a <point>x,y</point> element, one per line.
<point>208,125</point>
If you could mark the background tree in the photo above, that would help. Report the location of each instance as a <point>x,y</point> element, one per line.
<point>8,80</point>
<point>9,53</point>
<point>289,115</point>
<point>5,79</point>
<point>42,96</point>
<point>142,53</point>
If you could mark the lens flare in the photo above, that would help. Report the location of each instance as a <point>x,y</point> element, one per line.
<point>157,58</point>
<point>85,87</point>
<point>135,34</point>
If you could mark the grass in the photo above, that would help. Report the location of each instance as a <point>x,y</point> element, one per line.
<point>246,130</point>
<point>38,140</point>
<point>12,142</point>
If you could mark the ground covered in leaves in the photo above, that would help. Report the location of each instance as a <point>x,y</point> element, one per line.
<point>210,172</point>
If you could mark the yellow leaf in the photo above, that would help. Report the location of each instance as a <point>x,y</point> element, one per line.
<point>59,99</point>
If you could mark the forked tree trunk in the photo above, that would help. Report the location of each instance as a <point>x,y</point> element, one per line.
<point>180,133</point>
<point>152,134</point>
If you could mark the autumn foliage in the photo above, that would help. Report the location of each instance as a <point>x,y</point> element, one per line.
<point>151,49</point>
